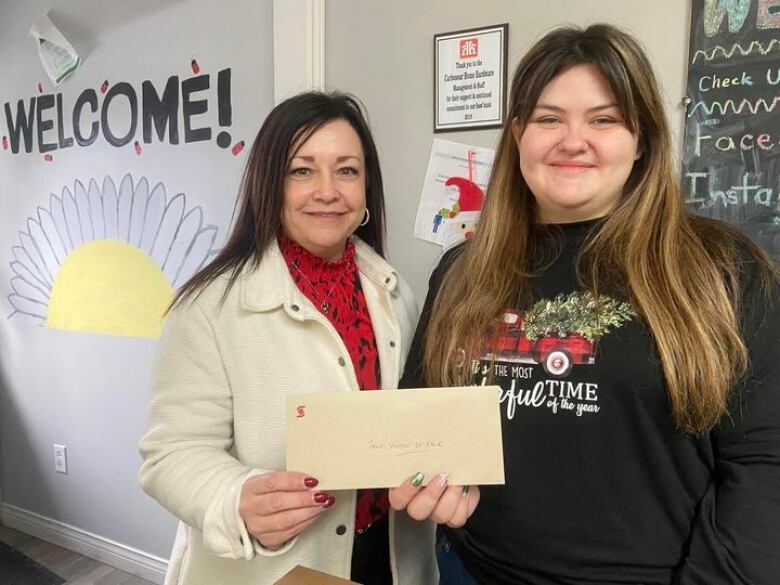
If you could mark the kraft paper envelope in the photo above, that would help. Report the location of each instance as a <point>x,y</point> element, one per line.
<point>352,440</point>
<point>303,576</point>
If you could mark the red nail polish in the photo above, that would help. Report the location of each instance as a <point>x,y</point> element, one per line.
<point>310,482</point>
<point>329,502</point>
<point>321,497</point>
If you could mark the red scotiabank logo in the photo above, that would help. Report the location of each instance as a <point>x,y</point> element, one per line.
<point>301,410</point>
<point>468,48</point>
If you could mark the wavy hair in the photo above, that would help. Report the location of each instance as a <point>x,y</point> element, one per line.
<point>681,272</point>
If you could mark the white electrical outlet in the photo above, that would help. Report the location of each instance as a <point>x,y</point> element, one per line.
<point>60,458</point>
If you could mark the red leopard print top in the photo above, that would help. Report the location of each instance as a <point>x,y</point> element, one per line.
<point>335,289</point>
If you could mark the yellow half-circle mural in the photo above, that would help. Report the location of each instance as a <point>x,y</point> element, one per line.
<point>126,294</point>
<point>103,260</point>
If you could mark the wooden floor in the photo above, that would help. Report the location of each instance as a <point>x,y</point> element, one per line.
<point>72,567</point>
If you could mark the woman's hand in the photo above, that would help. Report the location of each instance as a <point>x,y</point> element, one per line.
<point>278,506</point>
<point>445,504</point>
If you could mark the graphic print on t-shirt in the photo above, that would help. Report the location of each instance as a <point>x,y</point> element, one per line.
<point>556,334</point>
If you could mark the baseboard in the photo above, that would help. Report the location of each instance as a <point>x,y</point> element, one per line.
<point>85,543</point>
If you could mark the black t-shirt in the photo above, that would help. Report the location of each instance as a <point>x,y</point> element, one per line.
<point>601,487</point>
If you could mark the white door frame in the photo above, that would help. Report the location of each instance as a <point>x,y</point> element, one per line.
<point>299,46</point>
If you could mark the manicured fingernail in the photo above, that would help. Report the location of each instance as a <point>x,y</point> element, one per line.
<point>321,497</point>
<point>329,502</point>
<point>441,479</point>
<point>465,490</point>
<point>418,478</point>
<point>310,482</point>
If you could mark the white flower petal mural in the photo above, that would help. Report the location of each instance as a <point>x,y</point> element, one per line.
<point>107,260</point>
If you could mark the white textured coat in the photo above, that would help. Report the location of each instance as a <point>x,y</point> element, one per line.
<point>217,418</point>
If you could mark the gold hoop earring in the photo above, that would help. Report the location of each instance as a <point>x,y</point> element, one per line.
<point>365,221</point>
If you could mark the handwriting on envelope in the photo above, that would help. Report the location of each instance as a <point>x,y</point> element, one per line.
<point>351,440</point>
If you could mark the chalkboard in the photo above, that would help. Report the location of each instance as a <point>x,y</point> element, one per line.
<point>731,158</point>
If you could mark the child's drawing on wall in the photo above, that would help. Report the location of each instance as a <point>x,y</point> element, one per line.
<point>453,192</point>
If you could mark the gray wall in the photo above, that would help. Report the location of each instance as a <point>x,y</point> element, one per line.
<point>56,388</point>
<point>383,53</point>
<point>85,390</point>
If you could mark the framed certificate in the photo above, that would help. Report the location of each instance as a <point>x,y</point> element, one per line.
<point>469,86</point>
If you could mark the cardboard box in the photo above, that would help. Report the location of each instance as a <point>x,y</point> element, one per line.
<point>303,576</point>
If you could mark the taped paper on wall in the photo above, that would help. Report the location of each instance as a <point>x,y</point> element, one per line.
<point>452,195</point>
<point>58,56</point>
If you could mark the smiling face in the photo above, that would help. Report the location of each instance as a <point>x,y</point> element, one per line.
<point>576,151</point>
<point>325,190</point>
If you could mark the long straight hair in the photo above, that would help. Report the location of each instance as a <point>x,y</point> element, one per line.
<point>679,271</point>
<point>261,193</point>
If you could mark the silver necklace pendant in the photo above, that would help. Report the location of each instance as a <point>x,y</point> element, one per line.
<point>324,304</point>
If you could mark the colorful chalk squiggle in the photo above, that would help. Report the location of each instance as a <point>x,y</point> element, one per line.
<point>731,107</point>
<point>754,47</point>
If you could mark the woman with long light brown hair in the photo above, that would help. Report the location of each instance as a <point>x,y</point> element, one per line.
<point>636,345</point>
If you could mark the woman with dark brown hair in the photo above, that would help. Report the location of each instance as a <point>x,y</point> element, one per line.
<point>300,299</point>
<point>636,345</point>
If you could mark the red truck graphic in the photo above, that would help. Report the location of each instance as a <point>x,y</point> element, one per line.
<point>557,354</point>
